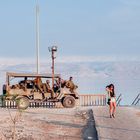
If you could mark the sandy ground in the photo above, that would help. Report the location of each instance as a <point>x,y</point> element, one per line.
<point>125,126</point>
<point>48,124</point>
<point>70,124</point>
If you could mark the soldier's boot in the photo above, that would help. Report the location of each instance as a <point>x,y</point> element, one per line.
<point>43,95</point>
<point>52,95</point>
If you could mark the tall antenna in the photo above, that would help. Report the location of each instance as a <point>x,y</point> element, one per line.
<point>37,39</point>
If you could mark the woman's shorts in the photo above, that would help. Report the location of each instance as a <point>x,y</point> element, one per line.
<point>113,100</point>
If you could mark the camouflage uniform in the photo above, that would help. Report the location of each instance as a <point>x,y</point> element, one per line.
<point>47,88</point>
<point>39,85</point>
<point>71,85</point>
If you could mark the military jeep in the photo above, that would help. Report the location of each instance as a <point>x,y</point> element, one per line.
<point>21,87</point>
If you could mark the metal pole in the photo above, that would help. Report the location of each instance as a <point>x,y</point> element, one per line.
<point>37,39</point>
<point>53,68</point>
<point>135,99</point>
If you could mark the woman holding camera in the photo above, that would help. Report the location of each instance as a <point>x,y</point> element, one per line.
<point>111,100</point>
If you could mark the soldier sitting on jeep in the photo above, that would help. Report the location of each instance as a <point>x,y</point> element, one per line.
<point>70,84</point>
<point>47,88</point>
<point>38,85</point>
<point>23,84</point>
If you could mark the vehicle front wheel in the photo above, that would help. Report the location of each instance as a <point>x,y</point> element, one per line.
<point>69,102</point>
<point>23,103</point>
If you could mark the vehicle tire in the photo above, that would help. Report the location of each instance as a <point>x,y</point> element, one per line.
<point>23,103</point>
<point>68,102</point>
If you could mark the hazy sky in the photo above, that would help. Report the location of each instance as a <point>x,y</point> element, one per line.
<point>78,27</point>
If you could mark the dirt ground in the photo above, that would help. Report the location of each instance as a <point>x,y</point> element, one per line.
<point>47,124</point>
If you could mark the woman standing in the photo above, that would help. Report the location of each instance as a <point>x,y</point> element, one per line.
<point>112,100</point>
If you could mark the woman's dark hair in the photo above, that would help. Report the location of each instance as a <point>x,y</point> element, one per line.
<point>109,86</point>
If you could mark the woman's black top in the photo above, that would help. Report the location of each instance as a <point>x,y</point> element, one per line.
<point>112,94</point>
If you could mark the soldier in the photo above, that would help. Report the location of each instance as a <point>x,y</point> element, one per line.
<point>23,84</point>
<point>57,85</point>
<point>49,89</point>
<point>63,83</point>
<point>38,85</point>
<point>71,85</point>
<point>58,82</point>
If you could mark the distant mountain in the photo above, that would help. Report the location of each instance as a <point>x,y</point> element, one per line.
<point>91,77</point>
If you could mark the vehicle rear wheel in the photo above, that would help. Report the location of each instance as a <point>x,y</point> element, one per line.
<point>23,103</point>
<point>69,102</point>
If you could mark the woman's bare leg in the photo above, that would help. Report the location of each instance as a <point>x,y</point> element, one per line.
<point>114,108</point>
<point>110,109</point>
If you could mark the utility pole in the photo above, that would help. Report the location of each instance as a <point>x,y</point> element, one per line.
<point>37,39</point>
<point>53,49</point>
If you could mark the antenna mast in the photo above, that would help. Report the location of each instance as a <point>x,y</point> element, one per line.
<point>37,39</point>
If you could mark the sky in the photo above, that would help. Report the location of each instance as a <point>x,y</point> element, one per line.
<point>90,34</point>
<point>87,29</point>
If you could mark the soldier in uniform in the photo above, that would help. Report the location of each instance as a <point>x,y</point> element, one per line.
<point>47,88</point>
<point>63,83</point>
<point>70,84</point>
<point>39,85</point>
<point>23,84</point>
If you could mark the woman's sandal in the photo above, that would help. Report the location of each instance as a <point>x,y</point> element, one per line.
<point>113,115</point>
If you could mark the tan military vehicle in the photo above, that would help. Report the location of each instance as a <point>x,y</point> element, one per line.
<point>26,88</point>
